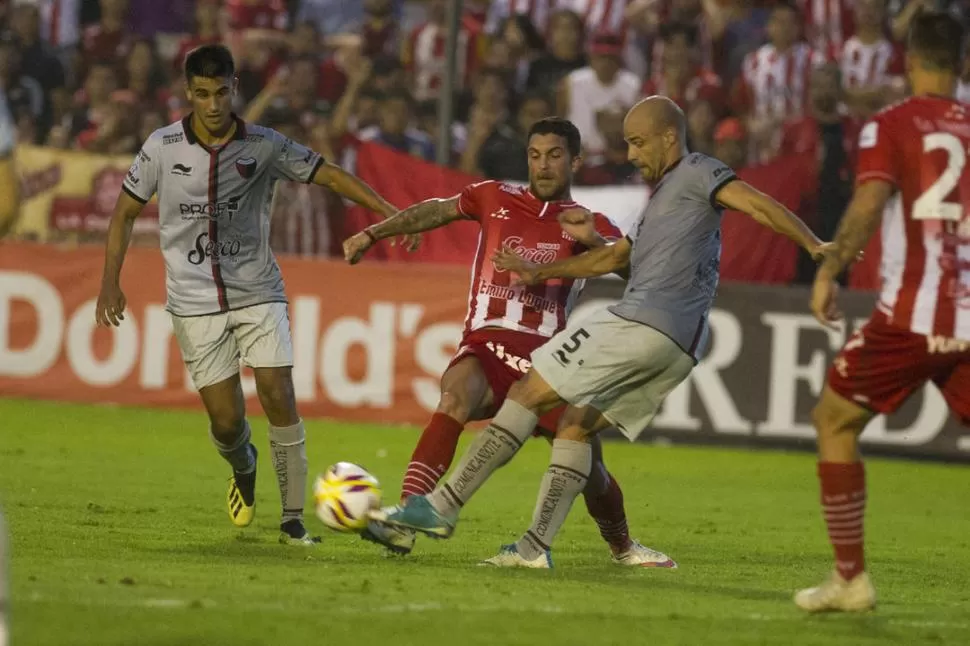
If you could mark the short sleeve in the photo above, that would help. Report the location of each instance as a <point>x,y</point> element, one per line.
<point>141,182</point>
<point>710,175</point>
<point>605,227</point>
<point>470,199</point>
<point>875,158</point>
<point>294,161</point>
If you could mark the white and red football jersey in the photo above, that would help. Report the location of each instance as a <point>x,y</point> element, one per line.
<point>864,65</point>
<point>424,56</point>
<point>920,145</point>
<point>774,84</point>
<point>538,12</point>
<point>512,216</point>
<point>828,23</point>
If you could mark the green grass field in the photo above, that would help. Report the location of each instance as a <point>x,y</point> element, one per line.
<point>119,536</point>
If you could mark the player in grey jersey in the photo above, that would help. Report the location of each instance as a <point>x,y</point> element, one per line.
<point>215,176</point>
<point>616,366</point>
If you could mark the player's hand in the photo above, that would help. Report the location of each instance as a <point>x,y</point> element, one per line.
<point>409,242</point>
<point>111,306</point>
<point>506,259</point>
<point>824,303</point>
<point>579,224</point>
<point>825,248</point>
<point>356,246</point>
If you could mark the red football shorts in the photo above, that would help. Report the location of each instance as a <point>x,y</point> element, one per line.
<point>504,357</point>
<point>882,365</point>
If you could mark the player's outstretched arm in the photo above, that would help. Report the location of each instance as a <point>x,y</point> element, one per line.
<point>600,261</point>
<point>111,300</point>
<point>769,212</point>
<point>422,216</point>
<point>353,188</point>
<point>857,226</point>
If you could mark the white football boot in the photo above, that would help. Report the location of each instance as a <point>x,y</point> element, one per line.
<point>639,556</point>
<point>397,540</point>
<point>835,593</point>
<point>508,556</point>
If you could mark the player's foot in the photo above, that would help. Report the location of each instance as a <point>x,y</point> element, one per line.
<point>508,556</point>
<point>292,532</point>
<point>639,556</point>
<point>241,497</point>
<point>835,593</point>
<point>418,514</point>
<point>395,539</point>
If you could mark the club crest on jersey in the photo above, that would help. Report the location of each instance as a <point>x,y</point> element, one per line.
<point>246,167</point>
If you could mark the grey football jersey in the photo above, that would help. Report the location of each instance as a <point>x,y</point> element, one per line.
<point>214,212</point>
<point>676,255</point>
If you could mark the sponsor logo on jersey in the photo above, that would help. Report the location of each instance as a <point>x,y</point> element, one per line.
<point>205,248</point>
<point>869,135</point>
<point>208,210</point>
<point>178,137</point>
<point>255,137</point>
<point>246,167</point>
<point>511,188</point>
<point>182,169</point>
<point>143,156</point>
<point>538,255</point>
<point>514,362</point>
<point>501,214</point>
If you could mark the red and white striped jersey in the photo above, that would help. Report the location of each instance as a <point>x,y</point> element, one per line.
<point>865,65</point>
<point>599,15</point>
<point>775,85</point>
<point>920,145</point>
<point>828,23</point>
<point>424,56</point>
<point>512,216</point>
<point>538,12</point>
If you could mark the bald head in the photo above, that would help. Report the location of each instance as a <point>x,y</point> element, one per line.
<point>656,114</point>
<point>656,131</point>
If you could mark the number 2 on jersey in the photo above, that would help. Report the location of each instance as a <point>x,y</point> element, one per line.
<point>931,205</point>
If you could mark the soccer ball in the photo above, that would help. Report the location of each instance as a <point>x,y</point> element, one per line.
<point>344,494</point>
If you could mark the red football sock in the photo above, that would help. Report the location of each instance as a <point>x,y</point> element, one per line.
<point>844,507</point>
<point>610,516</point>
<point>432,456</point>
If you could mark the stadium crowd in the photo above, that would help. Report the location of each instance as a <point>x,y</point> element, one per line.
<point>757,80</point>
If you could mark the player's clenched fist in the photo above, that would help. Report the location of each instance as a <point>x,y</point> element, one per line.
<point>578,223</point>
<point>111,306</point>
<point>356,246</point>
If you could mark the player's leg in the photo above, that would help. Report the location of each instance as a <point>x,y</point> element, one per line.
<point>263,335</point>
<point>465,395</point>
<point>570,465</point>
<point>212,359</point>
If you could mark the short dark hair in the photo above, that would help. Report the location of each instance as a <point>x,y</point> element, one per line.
<point>937,39</point>
<point>209,61</point>
<point>399,95</point>
<point>535,95</point>
<point>670,31</point>
<point>561,127</point>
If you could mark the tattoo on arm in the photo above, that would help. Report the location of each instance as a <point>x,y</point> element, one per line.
<point>422,216</point>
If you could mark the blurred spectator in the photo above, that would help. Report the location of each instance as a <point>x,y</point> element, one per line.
<point>205,31</point>
<point>290,95</point>
<point>150,17</point>
<point>242,15</point>
<point>523,45</point>
<point>565,52</point>
<point>538,12</point>
<point>600,16</point>
<point>380,33</point>
<point>39,61</point>
<point>666,12</point>
<point>8,177</point>
<point>426,115</point>
<point>109,39</point>
<point>730,143</point>
<point>682,78</point>
<point>871,65</point>
<point>496,147</point>
<point>388,74</point>
<point>425,53</point>
<point>151,120</point>
<point>774,83</point>
<point>602,84</point>
<point>743,30</point>
<point>394,128</point>
<point>24,95</point>
<point>963,86</point>
<point>336,17</point>
<point>60,21</point>
<point>614,167</point>
<point>144,78</point>
<point>828,23</point>
<point>903,12</point>
<point>701,120</point>
<point>92,104</point>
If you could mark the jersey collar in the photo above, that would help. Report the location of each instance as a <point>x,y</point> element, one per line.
<point>190,137</point>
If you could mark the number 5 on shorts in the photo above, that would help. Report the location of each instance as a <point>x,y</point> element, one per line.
<point>568,348</point>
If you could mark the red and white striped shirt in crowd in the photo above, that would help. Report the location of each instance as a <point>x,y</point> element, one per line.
<point>511,216</point>
<point>703,85</point>
<point>538,12</point>
<point>424,56</point>
<point>60,22</point>
<point>773,84</point>
<point>919,145</point>
<point>828,23</point>
<point>599,15</point>
<point>865,65</point>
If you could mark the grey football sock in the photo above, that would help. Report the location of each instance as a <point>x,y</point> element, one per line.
<point>565,479</point>
<point>239,454</point>
<point>288,445</point>
<point>492,448</point>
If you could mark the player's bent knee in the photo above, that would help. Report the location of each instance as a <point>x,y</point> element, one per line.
<point>534,393</point>
<point>833,415</point>
<point>454,405</point>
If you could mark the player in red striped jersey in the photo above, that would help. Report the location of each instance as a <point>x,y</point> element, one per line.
<point>912,177</point>
<point>507,321</point>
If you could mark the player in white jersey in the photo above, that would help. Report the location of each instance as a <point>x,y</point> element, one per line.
<point>215,176</point>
